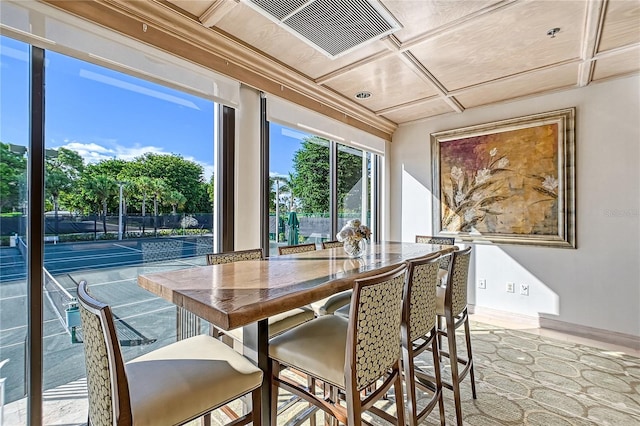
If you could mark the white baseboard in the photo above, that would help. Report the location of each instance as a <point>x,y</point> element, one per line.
<point>622,339</point>
<point>504,316</point>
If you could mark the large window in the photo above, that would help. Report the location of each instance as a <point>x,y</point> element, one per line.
<point>299,209</point>
<point>354,181</point>
<point>128,189</point>
<point>14,140</point>
<point>305,203</point>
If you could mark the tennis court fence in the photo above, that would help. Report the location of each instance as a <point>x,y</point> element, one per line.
<point>65,306</point>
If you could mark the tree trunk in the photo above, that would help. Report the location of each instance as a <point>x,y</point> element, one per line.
<point>144,208</point>
<point>55,214</point>
<point>155,215</point>
<point>104,216</point>
<point>124,217</point>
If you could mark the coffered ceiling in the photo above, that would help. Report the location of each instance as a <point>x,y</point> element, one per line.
<point>448,56</point>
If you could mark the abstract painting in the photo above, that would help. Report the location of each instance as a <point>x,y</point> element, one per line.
<point>507,182</point>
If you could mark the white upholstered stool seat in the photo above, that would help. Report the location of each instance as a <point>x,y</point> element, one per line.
<point>329,305</point>
<point>343,311</point>
<point>301,346</point>
<point>279,323</point>
<point>169,384</point>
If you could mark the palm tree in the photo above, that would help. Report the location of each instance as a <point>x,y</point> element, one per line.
<point>56,181</point>
<point>175,199</point>
<point>103,188</point>
<point>128,188</point>
<point>158,189</point>
<point>144,184</point>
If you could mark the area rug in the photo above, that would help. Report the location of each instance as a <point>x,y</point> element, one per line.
<point>525,379</point>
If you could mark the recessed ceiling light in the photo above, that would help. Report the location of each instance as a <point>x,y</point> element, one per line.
<point>552,32</point>
<point>363,95</point>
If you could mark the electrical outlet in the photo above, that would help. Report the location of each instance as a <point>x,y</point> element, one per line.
<point>524,289</point>
<point>511,288</point>
<point>482,283</point>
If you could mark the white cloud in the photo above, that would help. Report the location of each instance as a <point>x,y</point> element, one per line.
<point>93,152</point>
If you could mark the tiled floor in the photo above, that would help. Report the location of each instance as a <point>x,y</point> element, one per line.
<point>67,405</point>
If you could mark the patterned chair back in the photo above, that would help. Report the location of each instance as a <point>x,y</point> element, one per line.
<point>428,239</point>
<point>106,378</point>
<point>301,248</point>
<point>332,244</point>
<point>234,256</point>
<point>456,291</point>
<point>419,298</point>
<point>373,339</point>
<point>445,241</point>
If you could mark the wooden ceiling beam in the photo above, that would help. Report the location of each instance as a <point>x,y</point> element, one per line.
<point>217,11</point>
<point>594,19</point>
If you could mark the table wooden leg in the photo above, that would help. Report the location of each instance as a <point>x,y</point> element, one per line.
<point>256,348</point>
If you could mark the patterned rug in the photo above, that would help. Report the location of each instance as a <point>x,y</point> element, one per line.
<point>525,379</point>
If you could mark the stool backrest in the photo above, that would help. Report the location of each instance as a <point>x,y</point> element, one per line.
<point>300,248</point>
<point>233,256</point>
<point>332,244</point>
<point>456,290</point>
<point>419,298</point>
<point>106,377</point>
<point>428,239</point>
<point>373,339</point>
<point>445,241</point>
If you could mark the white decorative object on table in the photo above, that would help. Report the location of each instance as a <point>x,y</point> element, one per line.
<point>354,237</point>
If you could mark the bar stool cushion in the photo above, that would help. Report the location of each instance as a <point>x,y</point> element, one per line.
<point>279,323</point>
<point>194,367</point>
<point>300,346</point>
<point>343,312</point>
<point>329,305</point>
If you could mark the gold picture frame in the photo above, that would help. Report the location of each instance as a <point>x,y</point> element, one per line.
<point>507,182</point>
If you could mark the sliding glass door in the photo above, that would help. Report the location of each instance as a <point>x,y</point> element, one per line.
<point>302,207</point>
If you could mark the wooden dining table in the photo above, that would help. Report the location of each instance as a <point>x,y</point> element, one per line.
<point>245,294</point>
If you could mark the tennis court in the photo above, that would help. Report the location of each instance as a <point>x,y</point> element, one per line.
<point>144,321</point>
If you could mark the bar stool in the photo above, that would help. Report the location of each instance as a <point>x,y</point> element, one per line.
<point>277,323</point>
<point>348,355</point>
<point>170,385</point>
<point>419,334</point>
<point>452,307</point>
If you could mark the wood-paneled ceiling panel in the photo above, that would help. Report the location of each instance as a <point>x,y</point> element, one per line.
<point>507,42</point>
<point>420,16</point>
<point>523,85</point>
<point>447,57</point>
<point>429,108</point>
<point>621,25</point>
<point>390,82</point>
<point>613,65</point>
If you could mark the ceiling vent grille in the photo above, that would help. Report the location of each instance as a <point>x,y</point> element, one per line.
<point>334,27</point>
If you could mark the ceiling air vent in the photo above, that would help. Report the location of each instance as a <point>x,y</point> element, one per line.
<point>334,27</point>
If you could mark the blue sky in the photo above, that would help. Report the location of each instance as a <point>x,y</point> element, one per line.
<point>103,114</point>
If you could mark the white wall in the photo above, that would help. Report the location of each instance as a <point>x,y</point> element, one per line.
<point>595,286</point>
